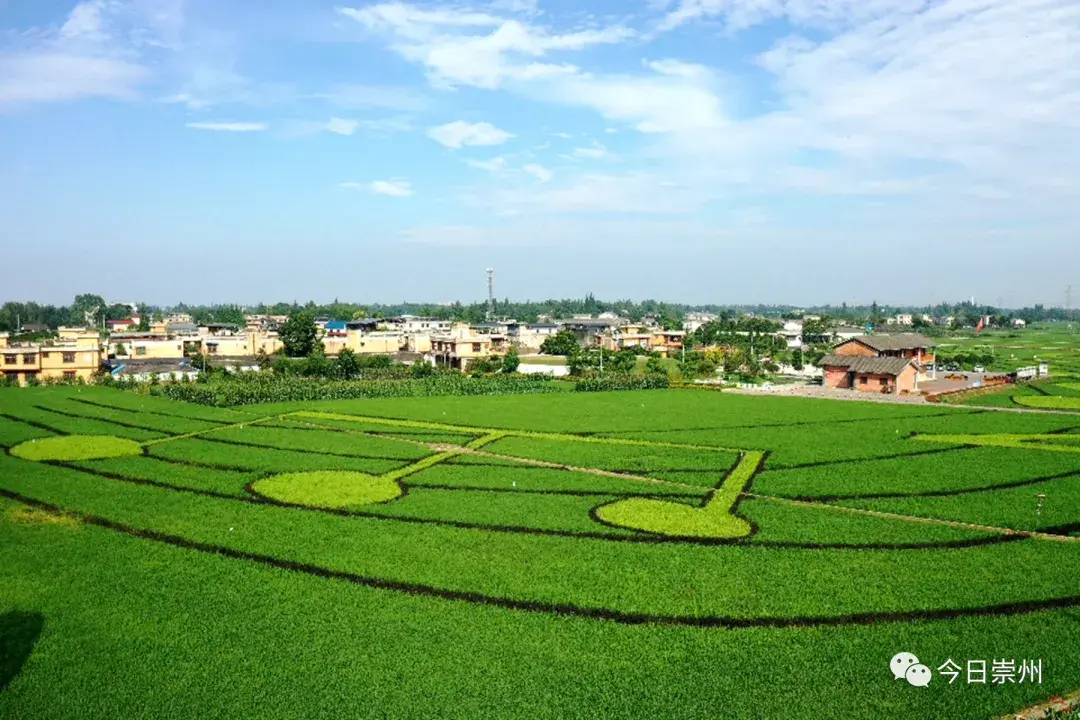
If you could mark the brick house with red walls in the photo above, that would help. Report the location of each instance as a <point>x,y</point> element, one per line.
<point>891,364</point>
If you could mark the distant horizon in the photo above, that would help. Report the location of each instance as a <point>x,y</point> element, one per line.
<point>686,306</point>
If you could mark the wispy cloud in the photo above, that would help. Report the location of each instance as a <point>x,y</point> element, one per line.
<point>459,133</point>
<point>90,55</point>
<point>341,126</point>
<point>393,188</point>
<point>240,127</point>
<point>539,172</point>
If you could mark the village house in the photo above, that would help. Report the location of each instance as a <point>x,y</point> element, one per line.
<point>1017,323</point>
<point>458,351</point>
<point>76,357</point>
<point>891,364</point>
<point>532,335</point>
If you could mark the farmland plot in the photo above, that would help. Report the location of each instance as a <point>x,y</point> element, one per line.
<point>663,553</point>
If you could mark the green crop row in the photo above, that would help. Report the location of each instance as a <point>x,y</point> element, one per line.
<point>258,388</point>
<point>620,577</point>
<point>960,469</point>
<point>1012,507</point>
<point>480,472</point>
<point>309,440</point>
<point>467,661</point>
<point>265,459</point>
<point>706,467</point>
<point>781,522</point>
<point>652,381</point>
<point>1050,402</point>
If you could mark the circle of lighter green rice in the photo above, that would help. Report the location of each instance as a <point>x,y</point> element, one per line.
<point>76,447</point>
<point>329,488</point>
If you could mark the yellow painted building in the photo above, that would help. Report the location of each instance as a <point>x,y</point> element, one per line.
<point>460,351</point>
<point>78,357</point>
<point>373,343</point>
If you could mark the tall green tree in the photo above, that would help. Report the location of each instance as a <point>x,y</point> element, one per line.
<point>299,335</point>
<point>511,361</point>
<point>87,309</point>
<point>561,343</point>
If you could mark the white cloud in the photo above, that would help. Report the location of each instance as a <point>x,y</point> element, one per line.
<point>634,192</point>
<point>90,55</point>
<point>342,126</point>
<point>494,165</point>
<point>375,96</point>
<point>393,188</point>
<point>539,172</point>
<point>465,47</point>
<point>228,126</point>
<point>54,76</point>
<point>460,133</point>
<point>595,152</point>
<point>563,135</point>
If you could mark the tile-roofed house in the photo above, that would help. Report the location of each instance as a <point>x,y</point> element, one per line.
<point>872,365</point>
<point>879,363</point>
<point>899,341</point>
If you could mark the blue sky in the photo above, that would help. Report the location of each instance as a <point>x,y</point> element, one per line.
<point>788,151</point>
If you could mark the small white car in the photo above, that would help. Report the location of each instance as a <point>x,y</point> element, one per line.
<point>979,368</point>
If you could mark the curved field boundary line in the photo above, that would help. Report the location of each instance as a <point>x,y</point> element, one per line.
<point>1035,534</point>
<point>563,609</point>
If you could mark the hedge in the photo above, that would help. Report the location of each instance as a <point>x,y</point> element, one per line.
<point>652,381</point>
<point>254,389</point>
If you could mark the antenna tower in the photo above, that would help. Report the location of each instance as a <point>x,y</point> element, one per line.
<point>491,294</point>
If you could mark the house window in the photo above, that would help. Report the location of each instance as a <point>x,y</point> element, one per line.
<point>141,350</point>
<point>883,381</point>
<point>44,355</point>
<point>862,380</point>
<point>29,376</point>
<point>69,357</point>
<point>11,359</point>
<point>211,349</point>
<point>69,373</point>
<point>29,358</point>
<point>476,347</point>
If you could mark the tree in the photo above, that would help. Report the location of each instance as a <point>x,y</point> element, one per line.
<point>299,335</point>
<point>563,342</point>
<point>87,310</point>
<point>144,323</point>
<point>511,361</point>
<point>347,366</point>
<point>655,366</point>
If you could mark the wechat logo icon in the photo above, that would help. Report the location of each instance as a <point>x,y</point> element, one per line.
<point>907,666</point>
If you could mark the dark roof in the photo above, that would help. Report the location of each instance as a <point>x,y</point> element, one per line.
<point>901,341</point>
<point>212,325</point>
<point>182,327</point>
<point>873,365</point>
<point>34,328</point>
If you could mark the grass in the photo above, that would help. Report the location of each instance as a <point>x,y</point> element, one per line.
<point>76,447</point>
<point>486,587</point>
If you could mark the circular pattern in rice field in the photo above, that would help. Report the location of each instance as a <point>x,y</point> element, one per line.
<point>69,448</point>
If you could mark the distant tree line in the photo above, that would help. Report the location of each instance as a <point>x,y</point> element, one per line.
<point>94,310</point>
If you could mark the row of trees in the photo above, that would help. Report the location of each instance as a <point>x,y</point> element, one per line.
<point>93,309</point>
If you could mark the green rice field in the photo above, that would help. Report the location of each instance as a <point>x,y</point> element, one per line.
<point>641,554</point>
